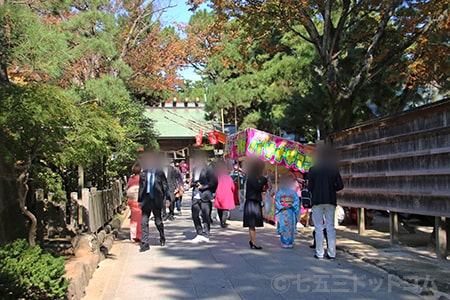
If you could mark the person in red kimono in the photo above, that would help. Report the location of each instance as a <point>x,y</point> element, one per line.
<point>136,213</point>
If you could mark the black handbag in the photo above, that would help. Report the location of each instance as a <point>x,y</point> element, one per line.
<point>306,198</point>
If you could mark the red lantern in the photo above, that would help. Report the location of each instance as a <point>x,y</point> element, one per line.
<point>199,138</point>
<point>213,138</point>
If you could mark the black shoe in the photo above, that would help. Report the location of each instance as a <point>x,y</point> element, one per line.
<point>253,246</point>
<point>224,225</point>
<point>162,243</point>
<point>165,218</point>
<point>144,248</point>
<point>312,246</point>
<point>329,257</point>
<point>171,218</point>
<point>315,256</point>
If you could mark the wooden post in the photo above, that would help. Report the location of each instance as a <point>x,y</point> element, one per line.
<point>235,114</point>
<point>72,217</point>
<point>223,120</point>
<point>441,237</point>
<point>393,227</point>
<point>80,178</point>
<point>361,220</point>
<point>276,179</point>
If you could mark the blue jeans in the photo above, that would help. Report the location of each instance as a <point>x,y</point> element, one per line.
<point>320,213</point>
<point>178,203</point>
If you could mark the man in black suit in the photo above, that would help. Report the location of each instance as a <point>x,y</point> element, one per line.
<point>153,189</point>
<point>204,183</point>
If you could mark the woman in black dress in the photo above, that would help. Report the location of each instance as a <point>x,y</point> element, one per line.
<point>253,201</point>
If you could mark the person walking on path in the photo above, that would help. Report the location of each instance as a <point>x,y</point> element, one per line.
<point>136,213</point>
<point>204,184</point>
<point>179,197</point>
<point>324,181</point>
<point>224,194</point>
<point>175,183</point>
<point>153,191</point>
<point>253,216</point>
<point>184,169</point>
<point>287,207</point>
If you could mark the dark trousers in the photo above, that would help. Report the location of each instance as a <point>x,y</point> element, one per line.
<point>145,240</point>
<point>222,215</point>
<point>172,207</point>
<point>205,208</point>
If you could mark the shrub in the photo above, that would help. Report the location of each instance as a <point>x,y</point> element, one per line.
<point>28,273</point>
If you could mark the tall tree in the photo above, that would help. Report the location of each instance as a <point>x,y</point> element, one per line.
<point>34,120</point>
<point>26,43</point>
<point>376,34</point>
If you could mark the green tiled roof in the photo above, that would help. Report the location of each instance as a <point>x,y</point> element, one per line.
<point>178,122</point>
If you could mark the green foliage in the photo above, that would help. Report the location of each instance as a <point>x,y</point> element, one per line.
<point>51,181</point>
<point>28,273</point>
<point>34,121</point>
<point>192,91</point>
<point>30,42</point>
<point>273,82</point>
<point>91,119</point>
<point>297,65</point>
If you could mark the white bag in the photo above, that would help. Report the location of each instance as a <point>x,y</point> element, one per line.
<point>132,193</point>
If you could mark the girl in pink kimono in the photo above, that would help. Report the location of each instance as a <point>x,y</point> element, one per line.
<point>136,213</point>
<point>224,193</point>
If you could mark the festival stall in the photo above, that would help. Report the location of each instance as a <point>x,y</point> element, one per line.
<point>280,155</point>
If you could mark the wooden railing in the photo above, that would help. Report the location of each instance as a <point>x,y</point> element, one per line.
<point>100,205</point>
<point>95,208</point>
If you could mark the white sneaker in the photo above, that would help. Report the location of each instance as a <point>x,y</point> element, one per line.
<point>198,239</point>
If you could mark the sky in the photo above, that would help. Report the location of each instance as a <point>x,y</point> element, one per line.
<point>180,14</point>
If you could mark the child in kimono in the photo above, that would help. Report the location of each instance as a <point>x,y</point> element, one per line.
<point>287,205</point>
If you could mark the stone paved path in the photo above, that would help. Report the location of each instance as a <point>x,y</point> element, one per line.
<point>226,268</point>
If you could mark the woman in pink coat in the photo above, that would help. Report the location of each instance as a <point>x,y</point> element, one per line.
<point>136,213</point>
<point>224,193</point>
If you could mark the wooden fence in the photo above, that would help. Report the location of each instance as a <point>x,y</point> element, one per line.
<point>103,205</point>
<point>100,205</point>
<point>399,163</point>
<point>88,212</point>
<point>95,208</point>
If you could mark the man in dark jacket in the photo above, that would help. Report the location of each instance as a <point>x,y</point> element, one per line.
<point>153,192</point>
<point>175,181</point>
<point>204,183</point>
<point>324,181</point>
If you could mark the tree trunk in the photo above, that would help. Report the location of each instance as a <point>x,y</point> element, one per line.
<point>22,191</point>
<point>3,73</point>
<point>3,66</point>
<point>342,111</point>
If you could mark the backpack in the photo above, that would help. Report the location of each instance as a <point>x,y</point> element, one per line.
<point>306,198</point>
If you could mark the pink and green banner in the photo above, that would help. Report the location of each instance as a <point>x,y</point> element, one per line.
<point>269,148</point>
